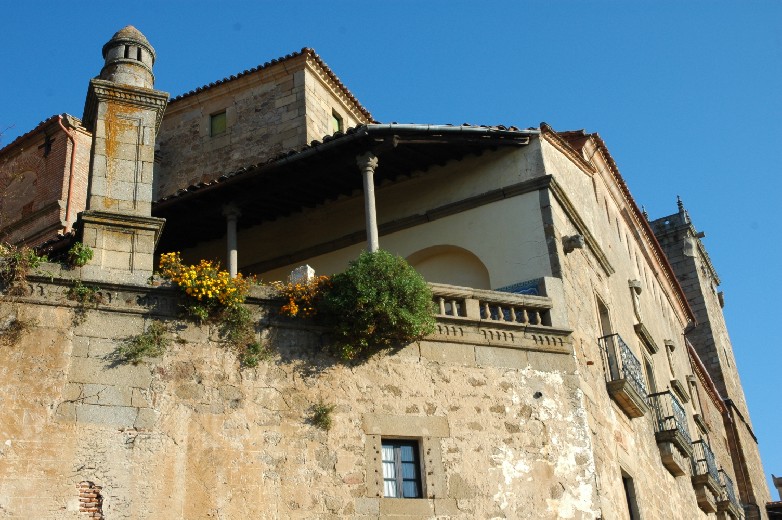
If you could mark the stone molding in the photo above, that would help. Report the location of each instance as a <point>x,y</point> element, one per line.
<point>123,220</point>
<point>102,90</point>
<point>572,213</point>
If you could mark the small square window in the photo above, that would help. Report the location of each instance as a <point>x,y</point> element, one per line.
<point>336,122</point>
<point>217,123</point>
<point>401,469</point>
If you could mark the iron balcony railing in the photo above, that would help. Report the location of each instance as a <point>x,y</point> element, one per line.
<point>703,460</point>
<point>622,363</point>
<point>727,485</point>
<point>669,414</point>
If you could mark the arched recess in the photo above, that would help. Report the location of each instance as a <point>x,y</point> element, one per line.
<point>452,265</point>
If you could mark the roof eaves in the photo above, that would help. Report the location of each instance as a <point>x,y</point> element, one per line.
<point>350,134</point>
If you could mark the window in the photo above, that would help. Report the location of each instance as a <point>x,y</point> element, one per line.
<point>217,123</point>
<point>651,382</point>
<point>336,122</point>
<point>401,469</point>
<point>632,501</point>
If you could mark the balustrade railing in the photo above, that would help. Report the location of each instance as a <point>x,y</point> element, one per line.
<point>622,363</point>
<point>491,306</point>
<point>703,460</point>
<point>727,485</point>
<point>669,414</point>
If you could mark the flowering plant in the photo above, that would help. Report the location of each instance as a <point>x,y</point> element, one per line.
<point>208,287</point>
<point>302,298</point>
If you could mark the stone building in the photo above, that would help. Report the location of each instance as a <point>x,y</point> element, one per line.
<point>580,368</point>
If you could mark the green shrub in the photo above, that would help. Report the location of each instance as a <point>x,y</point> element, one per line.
<point>79,254</point>
<point>16,262</point>
<point>380,301</point>
<point>151,343</point>
<point>321,415</point>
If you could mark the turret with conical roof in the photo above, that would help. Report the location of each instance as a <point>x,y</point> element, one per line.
<point>129,59</point>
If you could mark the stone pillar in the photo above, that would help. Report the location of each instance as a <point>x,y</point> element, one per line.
<point>232,214</point>
<point>367,163</point>
<point>123,112</point>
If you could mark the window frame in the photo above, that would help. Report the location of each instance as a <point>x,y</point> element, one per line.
<point>340,122</point>
<point>212,118</point>
<point>397,444</point>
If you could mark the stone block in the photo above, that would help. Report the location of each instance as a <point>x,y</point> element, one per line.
<point>146,419</point>
<point>420,507</point>
<point>501,357</point>
<point>80,346</point>
<point>448,352</point>
<point>109,325</point>
<point>124,416</point>
<point>89,370</point>
<point>406,425</point>
<point>106,395</point>
<point>116,260</point>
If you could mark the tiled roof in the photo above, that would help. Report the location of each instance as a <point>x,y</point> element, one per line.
<point>304,51</point>
<point>314,144</point>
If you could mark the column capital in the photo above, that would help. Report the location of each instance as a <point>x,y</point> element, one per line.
<point>231,211</point>
<point>367,161</point>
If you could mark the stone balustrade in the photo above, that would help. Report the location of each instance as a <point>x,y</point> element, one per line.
<point>491,306</point>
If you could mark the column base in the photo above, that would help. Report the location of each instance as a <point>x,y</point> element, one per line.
<point>123,246</point>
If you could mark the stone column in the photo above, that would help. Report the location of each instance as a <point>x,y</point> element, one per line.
<point>232,214</point>
<point>367,163</point>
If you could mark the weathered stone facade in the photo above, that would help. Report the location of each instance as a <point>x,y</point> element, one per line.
<point>579,368</point>
<point>502,426</point>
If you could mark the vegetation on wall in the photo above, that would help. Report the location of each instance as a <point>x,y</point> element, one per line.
<point>151,343</point>
<point>379,302</point>
<point>86,297</point>
<point>79,254</point>
<point>15,263</point>
<point>303,298</point>
<point>321,415</point>
<point>212,295</point>
<point>14,330</point>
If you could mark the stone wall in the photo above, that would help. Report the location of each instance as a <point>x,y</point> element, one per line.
<point>274,110</point>
<point>502,430</point>
<point>623,446</point>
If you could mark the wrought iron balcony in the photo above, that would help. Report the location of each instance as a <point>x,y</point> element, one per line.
<point>624,376</point>
<point>671,432</point>
<point>728,506</point>
<point>705,477</point>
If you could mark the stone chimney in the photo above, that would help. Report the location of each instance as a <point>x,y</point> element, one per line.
<point>123,112</point>
<point>777,484</point>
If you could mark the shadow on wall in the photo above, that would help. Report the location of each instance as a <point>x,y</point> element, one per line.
<point>452,265</point>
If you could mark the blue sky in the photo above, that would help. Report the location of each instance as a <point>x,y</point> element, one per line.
<point>685,94</point>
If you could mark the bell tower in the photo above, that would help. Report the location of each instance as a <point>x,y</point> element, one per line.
<point>123,111</point>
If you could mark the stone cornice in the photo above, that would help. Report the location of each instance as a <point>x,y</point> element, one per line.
<point>642,225</point>
<point>571,212</point>
<point>316,67</point>
<point>564,147</point>
<point>101,90</point>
